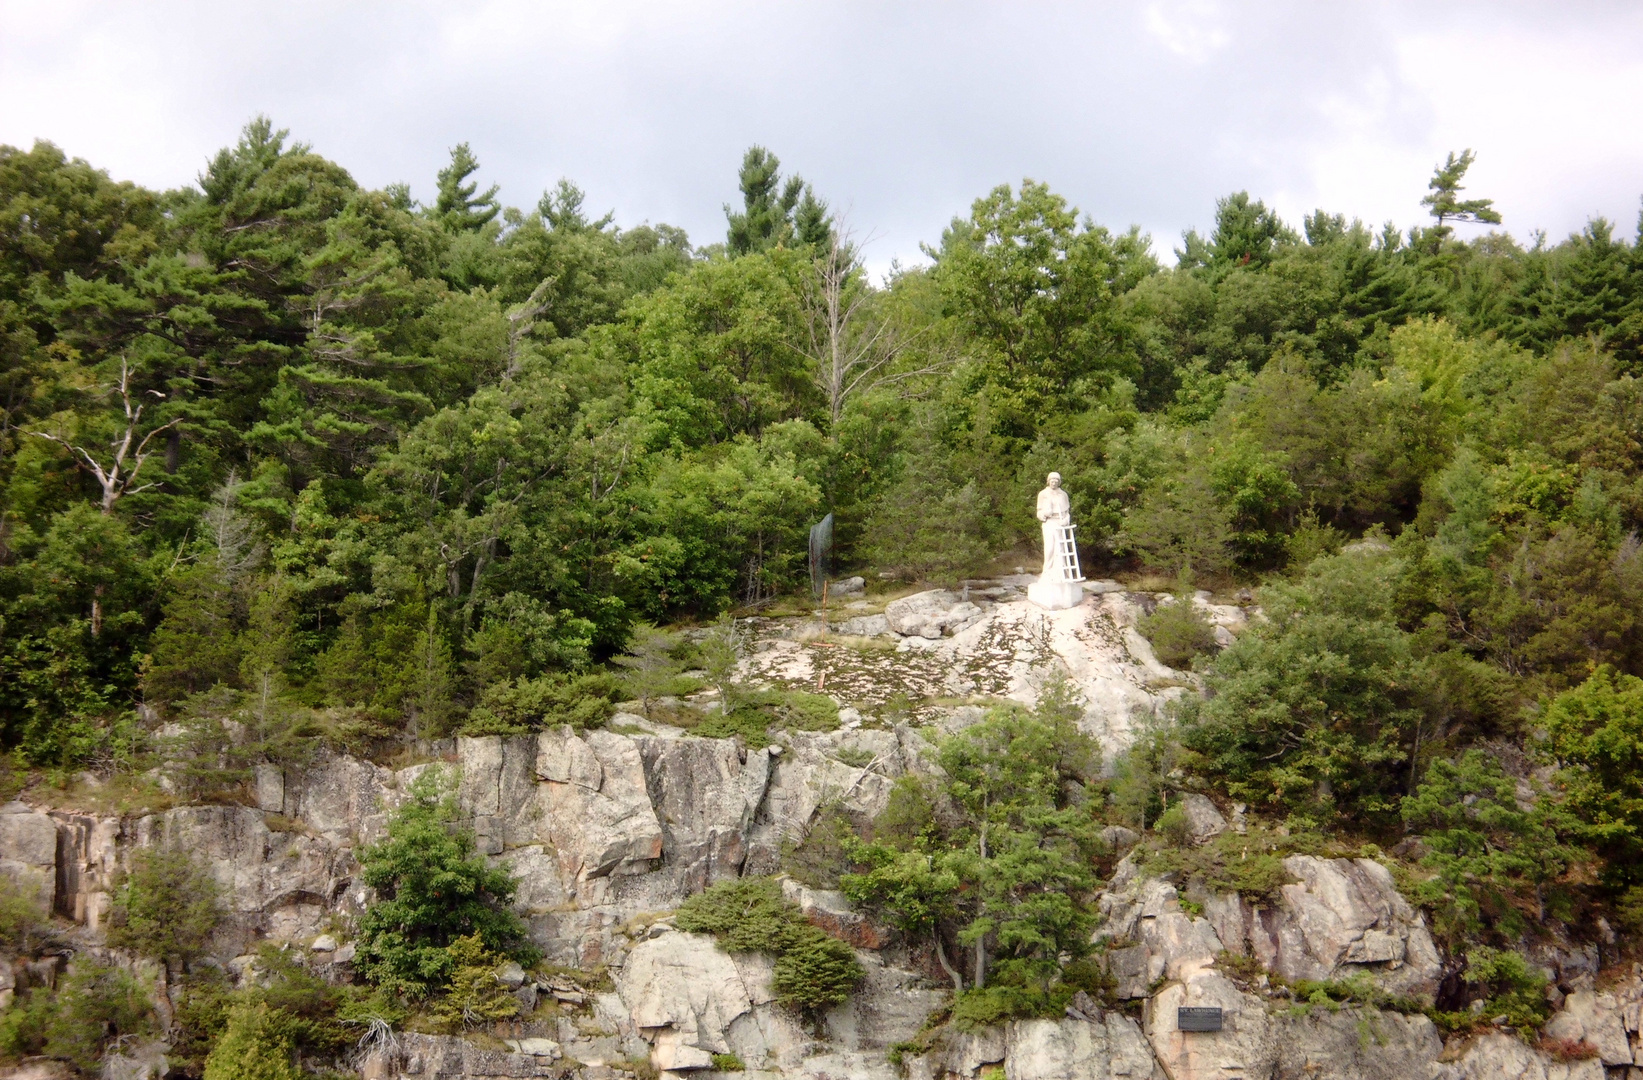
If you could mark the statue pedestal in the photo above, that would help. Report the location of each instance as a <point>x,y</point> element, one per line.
<point>1056,595</point>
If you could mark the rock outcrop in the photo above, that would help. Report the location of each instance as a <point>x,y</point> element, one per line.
<point>608,831</point>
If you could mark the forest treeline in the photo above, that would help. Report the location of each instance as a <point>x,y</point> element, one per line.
<point>277,442</point>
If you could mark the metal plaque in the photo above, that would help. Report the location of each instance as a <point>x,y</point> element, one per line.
<point>1198,1018</point>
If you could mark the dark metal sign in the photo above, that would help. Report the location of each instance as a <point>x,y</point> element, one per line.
<point>1198,1018</point>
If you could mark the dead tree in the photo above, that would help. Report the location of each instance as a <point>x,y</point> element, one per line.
<point>118,478</point>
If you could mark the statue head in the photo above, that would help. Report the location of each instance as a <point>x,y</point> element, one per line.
<point>1053,480</point>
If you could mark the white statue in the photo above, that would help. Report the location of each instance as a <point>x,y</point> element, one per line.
<point>1055,511</point>
<point>1060,583</point>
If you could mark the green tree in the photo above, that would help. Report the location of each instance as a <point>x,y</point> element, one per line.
<point>1020,845</point>
<point>1313,712</point>
<point>432,889</point>
<point>1596,736</point>
<point>255,1046</point>
<point>1445,202</point>
<point>774,213</point>
<point>458,208</point>
<point>1038,291</point>
<point>167,907</point>
<point>1485,844</point>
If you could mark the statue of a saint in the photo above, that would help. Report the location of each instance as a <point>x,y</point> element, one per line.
<point>1055,512</point>
<point>1060,584</point>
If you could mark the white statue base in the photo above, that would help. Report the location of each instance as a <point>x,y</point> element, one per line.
<point>1056,595</point>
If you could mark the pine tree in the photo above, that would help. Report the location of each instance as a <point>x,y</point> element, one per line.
<point>1445,201</point>
<point>774,214</point>
<point>458,208</point>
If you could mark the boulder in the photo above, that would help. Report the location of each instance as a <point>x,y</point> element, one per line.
<point>832,913</point>
<point>1118,838</point>
<point>846,586</point>
<point>682,993</point>
<point>1591,1017</point>
<point>1203,819</point>
<point>864,626</point>
<point>931,614</point>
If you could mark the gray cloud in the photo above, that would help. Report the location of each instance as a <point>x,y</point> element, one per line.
<point>900,113</point>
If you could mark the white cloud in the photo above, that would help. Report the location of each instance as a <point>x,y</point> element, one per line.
<point>903,112</point>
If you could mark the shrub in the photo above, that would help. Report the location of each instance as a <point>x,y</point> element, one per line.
<point>526,705</point>
<point>255,1046</point>
<point>753,715</point>
<point>166,907</point>
<point>728,1063</point>
<point>1250,864</point>
<point>432,890</point>
<point>474,995</point>
<point>816,971</point>
<point>750,915</point>
<point>1178,633</point>
<point>96,1005</point>
<point>1511,987</point>
<point>1174,826</point>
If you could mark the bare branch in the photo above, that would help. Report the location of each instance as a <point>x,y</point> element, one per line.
<point>118,479</point>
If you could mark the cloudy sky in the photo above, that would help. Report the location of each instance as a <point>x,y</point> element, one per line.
<point>899,112</point>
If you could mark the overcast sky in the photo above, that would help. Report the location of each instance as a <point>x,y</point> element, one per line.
<point>899,113</point>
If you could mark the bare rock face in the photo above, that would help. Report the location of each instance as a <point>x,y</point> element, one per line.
<point>595,811</point>
<point>1502,1057</point>
<point>930,615</point>
<point>683,994</point>
<point>1594,1018</point>
<point>276,884</point>
<point>344,800</point>
<point>1341,916</point>
<point>445,1057</point>
<point>705,793</point>
<point>1079,1049</point>
<point>28,852</point>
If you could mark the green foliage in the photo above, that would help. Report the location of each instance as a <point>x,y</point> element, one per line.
<point>167,907</point>
<point>411,469</point>
<point>474,995</point>
<point>1596,732</point>
<point>1250,863</point>
<point>24,923</point>
<point>728,1063</point>
<point>1178,633</point>
<point>1511,987</point>
<point>432,889</point>
<point>525,705</point>
<point>650,664</point>
<point>773,213</point>
<point>1020,849</point>
<point>253,1046</point>
<point>813,971</point>
<point>94,1007</point>
<point>1485,845</point>
<point>1313,709</point>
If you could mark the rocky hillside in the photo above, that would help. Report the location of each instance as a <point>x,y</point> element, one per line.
<point>1330,972</point>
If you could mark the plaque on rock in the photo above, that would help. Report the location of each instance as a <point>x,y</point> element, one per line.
<point>1198,1018</point>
